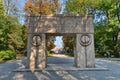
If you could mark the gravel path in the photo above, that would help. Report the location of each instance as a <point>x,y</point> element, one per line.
<point>6,71</point>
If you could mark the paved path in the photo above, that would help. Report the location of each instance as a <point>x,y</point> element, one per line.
<point>6,71</point>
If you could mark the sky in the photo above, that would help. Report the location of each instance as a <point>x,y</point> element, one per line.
<point>22,2</point>
<point>58,41</point>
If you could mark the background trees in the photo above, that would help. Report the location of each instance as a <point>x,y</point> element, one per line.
<point>42,6</point>
<point>107,26</point>
<point>50,42</point>
<point>110,27</point>
<point>13,34</point>
<point>69,43</point>
<point>11,30</point>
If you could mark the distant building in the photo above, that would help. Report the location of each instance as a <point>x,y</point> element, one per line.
<point>56,50</point>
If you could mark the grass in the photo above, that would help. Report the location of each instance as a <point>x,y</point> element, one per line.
<point>98,56</point>
<point>49,54</point>
<point>70,55</point>
<point>3,61</point>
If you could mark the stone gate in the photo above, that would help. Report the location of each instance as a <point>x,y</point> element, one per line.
<point>42,25</point>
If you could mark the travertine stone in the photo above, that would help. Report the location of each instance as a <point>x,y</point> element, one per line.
<point>32,60</point>
<point>41,54</point>
<point>60,24</point>
<point>80,53</point>
<point>29,51</point>
<point>77,25</point>
<point>90,53</point>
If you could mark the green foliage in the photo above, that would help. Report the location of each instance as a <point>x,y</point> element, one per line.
<point>7,55</point>
<point>49,54</point>
<point>107,38</point>
<point>75,7</point>
<point>107,34</point>
<point>80,6</point>
<point>107,26</point>
<point>98,56</point>
<point>50,42</point>
<point>70,54</point>
<point>69,43</point>
<point>11,32</point>
<point>1,7</point>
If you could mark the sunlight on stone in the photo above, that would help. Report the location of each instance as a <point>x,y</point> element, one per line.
<point>51,30</point>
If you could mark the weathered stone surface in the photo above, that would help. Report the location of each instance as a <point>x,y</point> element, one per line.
<point>60,24</point>
<point>90,53</point>
<point>80,53</point>
<point>29,52</point>
<point>80,26</point>
<point>41,54</point>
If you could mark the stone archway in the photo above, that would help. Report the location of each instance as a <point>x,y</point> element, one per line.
<point>80,25</point>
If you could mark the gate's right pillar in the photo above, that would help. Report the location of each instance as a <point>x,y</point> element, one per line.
<point>84,54</point>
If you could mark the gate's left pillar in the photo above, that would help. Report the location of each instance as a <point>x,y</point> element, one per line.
<point>36,51</point>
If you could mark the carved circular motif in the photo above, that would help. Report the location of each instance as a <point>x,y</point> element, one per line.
<point>36,40</point>
<point>85,40</point>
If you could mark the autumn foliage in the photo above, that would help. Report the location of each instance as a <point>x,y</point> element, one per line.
<point>41,7</point>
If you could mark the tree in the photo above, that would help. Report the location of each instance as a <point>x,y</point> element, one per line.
<point>79,6</point>
<point>106,22</point>
<point>69,42</point>
<point>2,23</point>
<point>111,26</point>
<point>50,42</point>
<point>12,8</point>
<point>11,34</point>
<point>109,12</point>
<point>41,7</point>
<point>10,31</point>
<point>16,39</point>
<point>1,8</point>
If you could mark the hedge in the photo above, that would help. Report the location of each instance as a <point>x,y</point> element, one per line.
<point>7,55</point>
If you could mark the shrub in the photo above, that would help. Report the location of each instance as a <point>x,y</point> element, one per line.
<point>49,54</point>
<point>7,55</point>
<point>70,54</point>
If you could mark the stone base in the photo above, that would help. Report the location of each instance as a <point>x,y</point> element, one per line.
<point>64,67</point>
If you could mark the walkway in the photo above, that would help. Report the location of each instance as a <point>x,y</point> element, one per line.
<point>6,71</point>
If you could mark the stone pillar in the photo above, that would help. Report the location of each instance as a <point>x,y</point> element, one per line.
<point>36,51</point>
<point>84,56</point>
<point>41,55</point>
<point>80,60</point>
<point>90,53</point>
<point>31,53</point>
